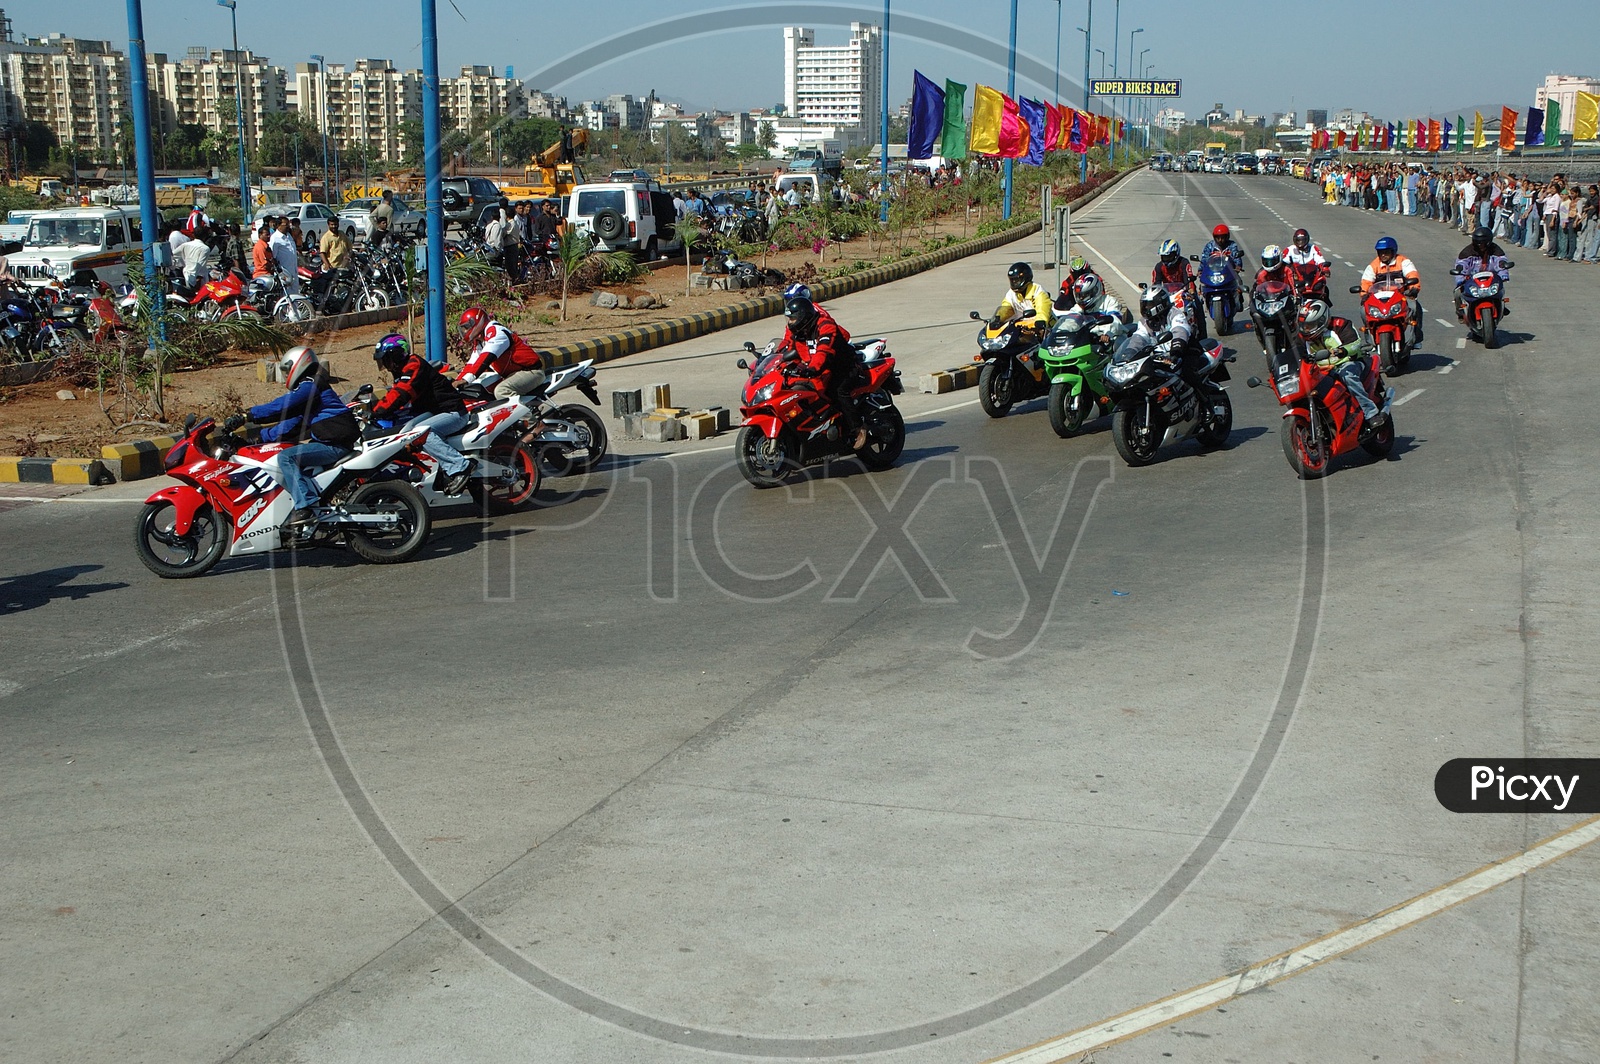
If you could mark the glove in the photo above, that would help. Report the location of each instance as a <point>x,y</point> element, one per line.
<point>233,424</point>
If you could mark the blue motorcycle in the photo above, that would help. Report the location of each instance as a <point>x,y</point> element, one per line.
<point>1219,290</point>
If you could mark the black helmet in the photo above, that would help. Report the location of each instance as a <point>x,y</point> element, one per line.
<point>1155,305</point>
<point>392,352</point>
<point>1482,237</point>
<point>1020,275</point>
<point>800,313</point>
<point>1302,239</point>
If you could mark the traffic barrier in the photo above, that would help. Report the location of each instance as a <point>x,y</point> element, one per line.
<point>54,471</point>
<point>950,380</point>
<point>137,460</point>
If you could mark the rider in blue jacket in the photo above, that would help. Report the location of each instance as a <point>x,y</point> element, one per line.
<point>311,413</point>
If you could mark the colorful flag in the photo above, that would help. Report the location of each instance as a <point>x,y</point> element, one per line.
<point>927,117</point>
<point>1586,116</point>
<point>1388,136</point>
<point>1078,139</point>
<point>1478,139</point>
<point>1033,114</point>
<point>1339,139</point>
<point>1552,123</point>
<point>1461,133</point>
<point>953,139</point>
<point>1445,143</point>
<point>1508,129</point>
<point>1435,134</point>
<point>1013,131</point>
<point>1533,132</point>
<point>988,113</point>
<point>1052,127</point>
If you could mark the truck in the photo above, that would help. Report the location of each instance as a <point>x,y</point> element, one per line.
<point>826,156</point>
<point>1216,158</point>
<point>548,176</point>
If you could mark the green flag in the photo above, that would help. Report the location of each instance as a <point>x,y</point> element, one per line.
<point>1461,134</point>
<point>953,138</point>
<point>1552,122</point>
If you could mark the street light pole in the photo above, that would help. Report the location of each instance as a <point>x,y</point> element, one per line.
<point>1011,91</point>
<point>1130,71</point>
<point>1101,52</point>
<point>883,191</point>
<point>322,99</point>
<point>145,165</point>
<point>238,108</point>
<point>433,182</point>
<point>1088,38</point>
<point>1057,100</point>
<point>1145,101</point>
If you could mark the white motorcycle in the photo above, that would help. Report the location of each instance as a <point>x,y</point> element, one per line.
<point>566,439</point>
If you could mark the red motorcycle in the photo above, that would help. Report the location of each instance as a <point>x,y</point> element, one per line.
<point>219,298</point>
<point>1387,312</point>
<point>230,501</point>
<point>1321,419</point>
<point>789,422</point>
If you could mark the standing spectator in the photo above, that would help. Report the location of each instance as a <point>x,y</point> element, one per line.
<point>1589,238</point>
<point>384,208</point>
<point>282,247</point>
<point>335,251</point>
<point>175,240</point>
<point>193,258</point>
<point>1550,213</point>
<point>260,252</point>
<point>1567,214</point>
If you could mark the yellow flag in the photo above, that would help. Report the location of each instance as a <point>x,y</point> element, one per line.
<point>1478,139</point>
<point>987,108</point>
<point>1585,116</point>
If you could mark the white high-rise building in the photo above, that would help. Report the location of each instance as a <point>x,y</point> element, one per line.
<point>199,89</point>
<point>838,86</point>
<point>479,95</point>
<point>1564,89</point>
<point>365,106</point>
<point>79,88</point>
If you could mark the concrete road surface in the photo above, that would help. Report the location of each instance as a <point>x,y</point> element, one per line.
<point>929,765</point>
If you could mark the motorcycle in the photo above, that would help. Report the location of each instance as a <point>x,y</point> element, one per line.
<point>1273,307</point>
<point>1481,303</point>
<point>1075,360</point>
<point>1386,313</point>
<point>231,502</point>
<point>1321,419</point>
<point>789,422</point>
<point>1155,405</point>
<point>283,308</point>
<point>33,327</point>
<point>1012,370</point>
<point>1219,290</point>
<point>219,298</point>
<point>568,439</point>
<point>1186,297</point>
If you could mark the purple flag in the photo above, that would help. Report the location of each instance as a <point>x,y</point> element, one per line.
<point>1444,143</point>
<point>1033,114</point>
<point>927,118</point>
<point>1533,132</point>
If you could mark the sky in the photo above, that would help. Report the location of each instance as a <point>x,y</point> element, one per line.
<point>1392,60</point>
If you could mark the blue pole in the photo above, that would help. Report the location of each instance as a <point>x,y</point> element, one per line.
<point>434,184</point>
<point>883,213</point>
<point>1088,37</point>
<point>1011,91</point>
<point>145,163</point>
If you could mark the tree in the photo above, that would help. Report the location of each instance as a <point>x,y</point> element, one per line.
<point>749,152</point>
<point>767,136</point>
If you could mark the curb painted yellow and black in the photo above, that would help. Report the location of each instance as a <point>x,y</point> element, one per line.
<point>54,471</point>
<point>139,459</point>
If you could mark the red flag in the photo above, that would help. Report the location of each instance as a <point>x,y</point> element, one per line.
<point>1013,130</point>
<point>1052,127</point>
<point>1339,139</point>
<point>1508,129</point>
<point>1435,136</point>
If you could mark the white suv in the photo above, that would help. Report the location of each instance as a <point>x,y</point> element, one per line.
<point>625,216</point>
<point>63,242</point>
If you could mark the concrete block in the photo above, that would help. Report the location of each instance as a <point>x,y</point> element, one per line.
<point>627,402</point>
<point>965,376</point>
<point>662,429</point>
<point>722,415</point>
<point>937,383</point>
<point>633,425</point>
<point>660,395</point>
<point>670,411</point>
<point>700,426</point>
<point>267,371</point>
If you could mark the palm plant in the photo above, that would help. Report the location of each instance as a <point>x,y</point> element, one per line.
<point>690,232</point>
<point>573,247</point>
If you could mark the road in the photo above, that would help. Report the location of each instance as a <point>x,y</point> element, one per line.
<point>925,766</point>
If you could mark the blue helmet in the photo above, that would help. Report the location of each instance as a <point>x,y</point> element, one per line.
<point>797,291</point>
<point>1387,243</point>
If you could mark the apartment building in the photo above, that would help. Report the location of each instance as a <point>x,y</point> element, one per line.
<point>1564,89</point>
<point>363,106</point>
<point>478,96</point>
<point>200,89</point>
<point>834,85</point>
<point>79,88</point>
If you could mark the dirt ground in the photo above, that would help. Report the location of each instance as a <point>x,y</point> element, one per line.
<point>34,422</point>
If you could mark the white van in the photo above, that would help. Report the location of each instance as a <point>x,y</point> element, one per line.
<point>64,242</point>
<point>811,185</point>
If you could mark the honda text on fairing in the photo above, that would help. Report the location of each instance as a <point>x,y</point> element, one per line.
<point>230,502</point>
<point>790,423</point>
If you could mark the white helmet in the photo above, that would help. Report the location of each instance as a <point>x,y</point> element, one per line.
<point>296,365</point>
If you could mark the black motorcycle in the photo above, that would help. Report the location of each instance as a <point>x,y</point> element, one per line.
<point>1273,307</point>
<point>1012,370</point>
<point>1167,393</point>
<point>1481,303</point>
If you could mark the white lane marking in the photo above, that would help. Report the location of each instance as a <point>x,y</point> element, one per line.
<point>1125,182</point>
<point>1460,343</point>
<point>1348,263</point>
<point>1404,399</point>
<point>1448,367</point>
<point>1446,322</point>
<point>1132,287</point>
<point>1318,951</point>
<point>947,409</point>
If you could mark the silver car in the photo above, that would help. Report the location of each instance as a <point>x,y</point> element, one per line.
<point>356,219</point>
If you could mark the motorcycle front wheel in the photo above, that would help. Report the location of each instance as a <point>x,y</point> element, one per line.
<point>373,299</point>
<point>1388,357</point>
<point>1308,457</point>
<point>996,389</point>
<point>175,557</point>
<point>762,460</point>
<point>1490,339</point>
<point>1137,441</point>
<point>569,460</point>
<point>1068,412</point>
<point>413,522</point>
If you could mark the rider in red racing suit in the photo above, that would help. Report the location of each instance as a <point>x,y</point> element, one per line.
<point>824,348</point>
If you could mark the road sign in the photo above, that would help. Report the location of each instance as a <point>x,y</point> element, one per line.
<point>1133,87</point>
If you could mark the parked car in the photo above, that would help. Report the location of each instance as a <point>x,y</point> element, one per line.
<point>641,176</point>
<point>466,197</point>
<point>314,217</point>
<point>625,216</point>
<point>356,219</point>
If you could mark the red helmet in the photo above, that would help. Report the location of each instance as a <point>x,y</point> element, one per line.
<point>1302,239</point>
<point>473,321</point>
<point>1221,232</point>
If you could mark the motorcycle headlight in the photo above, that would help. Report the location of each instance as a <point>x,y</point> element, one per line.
<point>1482,290</point>
<point>1272,306</point>
<point>1394,311</point>
<point>763,393</point>
<point>1122,372</point>
<point>992,343</point>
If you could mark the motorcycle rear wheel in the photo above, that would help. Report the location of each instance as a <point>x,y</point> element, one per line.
<point>1219,421</point>
<point>997,391</point>
<point>1125,433</point>
<point>199,550</point>
<point>1068,412</point>
<point>1380,443</point>
<point>415,522</point>
<point>884,446</point>
<point>1307,458</point>
<point>508,496</point>
<point>763,461</point>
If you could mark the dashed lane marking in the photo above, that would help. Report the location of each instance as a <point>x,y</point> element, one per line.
<point>1461,342</point>
<point>1404,399</point>
<point>1132,287</point>
<point>1446,322</point>
<point>1348,263</point>
<point>1447,367</point>
<point>1318,951</point>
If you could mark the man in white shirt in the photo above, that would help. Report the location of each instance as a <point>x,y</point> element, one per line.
<point>1469,199</point>
<point>193,258</point>
<point>176,240</point>
<point>282,247</point>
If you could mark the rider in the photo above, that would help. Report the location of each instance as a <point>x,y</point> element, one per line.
<point>311,413</point>
<point>824,346</point>
<point>1091,297</point>
<point>1023,295</point>
<point>1395,268</point>
<point>1158,314</point>
<point>1222,241</point>
<point>1308,266</point>
<point>1273,268</point>
<point>499,357</point>
<point>1481,254</point>
<point>1076,268</point>
<point>419,385</point>
<point>1172,270</point>
<point>1334,344</point>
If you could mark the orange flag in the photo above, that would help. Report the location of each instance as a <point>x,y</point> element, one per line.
<point>1508,129</point>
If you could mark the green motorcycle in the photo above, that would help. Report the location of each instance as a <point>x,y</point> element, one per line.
<point>1074,364</point>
